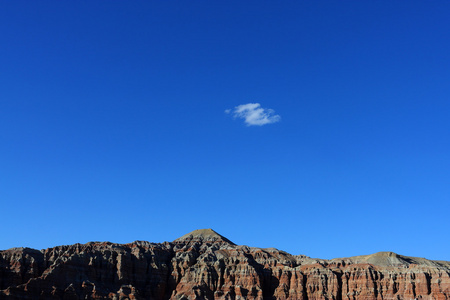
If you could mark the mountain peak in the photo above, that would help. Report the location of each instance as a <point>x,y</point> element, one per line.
<point>203,235</point>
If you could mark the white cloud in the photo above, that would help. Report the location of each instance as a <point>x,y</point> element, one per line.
<point>254,114</point>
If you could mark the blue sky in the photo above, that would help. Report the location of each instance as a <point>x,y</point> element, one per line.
<point>118,122</point>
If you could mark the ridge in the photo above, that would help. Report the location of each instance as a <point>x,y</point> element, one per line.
<point>205,265</point>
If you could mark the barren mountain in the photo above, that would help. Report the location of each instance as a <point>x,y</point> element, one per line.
<point>205,265</point>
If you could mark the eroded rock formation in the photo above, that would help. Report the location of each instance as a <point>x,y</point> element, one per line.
<point>205,265</point>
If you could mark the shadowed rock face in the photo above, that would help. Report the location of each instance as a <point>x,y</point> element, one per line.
<point>205,265</point>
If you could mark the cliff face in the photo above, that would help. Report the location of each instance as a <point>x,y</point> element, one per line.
<point>205,265</point>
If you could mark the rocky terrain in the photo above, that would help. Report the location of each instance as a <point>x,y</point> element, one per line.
<point>206,265</point>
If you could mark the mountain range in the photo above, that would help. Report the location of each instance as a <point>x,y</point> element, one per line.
<point>205,265</point>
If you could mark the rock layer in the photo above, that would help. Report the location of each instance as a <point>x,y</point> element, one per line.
<point>206,265</point>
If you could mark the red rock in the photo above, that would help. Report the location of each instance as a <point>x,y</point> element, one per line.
<point>206,265</point>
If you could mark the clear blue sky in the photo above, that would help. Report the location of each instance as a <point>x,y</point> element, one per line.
<point>113,124</point>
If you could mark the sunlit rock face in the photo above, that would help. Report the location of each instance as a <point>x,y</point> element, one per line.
<point>205,265</point>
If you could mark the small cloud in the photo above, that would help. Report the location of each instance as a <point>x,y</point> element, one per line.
<point>254,115</point>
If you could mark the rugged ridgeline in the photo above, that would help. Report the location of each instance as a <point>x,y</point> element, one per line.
<point>205,265</point>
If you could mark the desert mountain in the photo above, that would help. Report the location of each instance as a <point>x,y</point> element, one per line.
<point>205,265</point>
<point>202,235</point>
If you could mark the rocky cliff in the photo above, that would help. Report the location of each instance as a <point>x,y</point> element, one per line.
<point>206,265</point>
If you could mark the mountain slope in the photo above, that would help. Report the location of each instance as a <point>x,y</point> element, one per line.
<point>205,265</point>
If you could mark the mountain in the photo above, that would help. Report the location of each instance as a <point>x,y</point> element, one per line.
<point>205,265</point>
